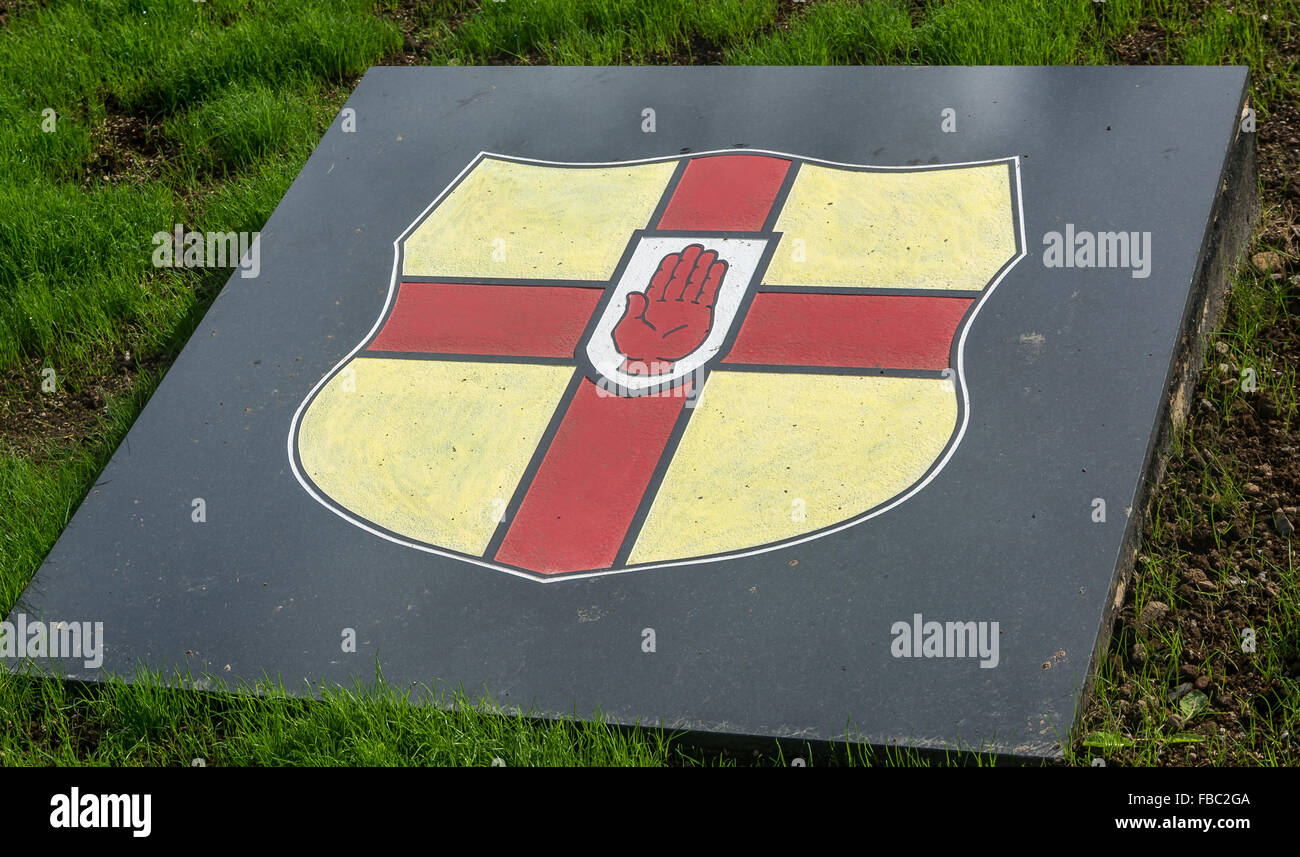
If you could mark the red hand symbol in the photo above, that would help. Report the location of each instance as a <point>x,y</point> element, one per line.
<point>672,317</point>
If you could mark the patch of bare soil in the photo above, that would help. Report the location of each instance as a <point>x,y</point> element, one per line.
<point>1147,46</point>
<point>1279,139</point>
<point>32,420</point>
<point>415,17</point>
<point>128,148</point>
<point>9,8</point>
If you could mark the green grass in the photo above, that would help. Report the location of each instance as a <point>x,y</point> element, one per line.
<point>72,264</point>
<point>234,86</point>
<point>203,720</point>
<point>150,723</point>
<point>242,126</point>
<point>601,32</point>
<point>833,33</point>
<point>1029,32</point>
<point>232,95</point>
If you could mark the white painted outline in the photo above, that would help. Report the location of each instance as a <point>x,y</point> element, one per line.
<point>955,442</point>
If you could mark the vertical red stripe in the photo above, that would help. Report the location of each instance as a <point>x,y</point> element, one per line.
<point>578,509</point>
<point>725,192</point>
<point>580,504</point>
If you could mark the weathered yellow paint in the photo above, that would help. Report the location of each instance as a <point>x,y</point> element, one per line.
<point>928,229</point>
<point>507,219</point>
<point>758,443</point>
<point>429,449</point>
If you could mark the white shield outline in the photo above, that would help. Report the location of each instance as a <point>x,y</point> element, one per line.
<point>1012,161</point>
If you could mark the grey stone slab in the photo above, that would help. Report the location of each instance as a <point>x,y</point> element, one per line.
<point>958,488</point>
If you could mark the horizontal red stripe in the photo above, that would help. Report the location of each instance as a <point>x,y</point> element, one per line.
<point>732,192</point>
<point>463,318</point>
<point>580,504</point>
<point>854,330</point>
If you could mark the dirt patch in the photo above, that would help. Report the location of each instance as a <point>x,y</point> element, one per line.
<point>786,12</point>
<point>1146,46</point>
<point>787,9</point>
<point>416,17</point>
<point>32,420</point>
<point>128,149</point>
<point>1149,44</point>
<point>10,8</point>
<point>696,51</point>
<point>412,17</point>
<point>1279,168</point>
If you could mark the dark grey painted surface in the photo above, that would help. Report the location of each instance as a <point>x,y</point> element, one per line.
<point>1065,368</point>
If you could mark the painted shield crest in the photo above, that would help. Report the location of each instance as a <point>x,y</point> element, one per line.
<point>594,368</point>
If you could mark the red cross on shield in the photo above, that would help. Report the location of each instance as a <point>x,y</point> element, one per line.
<point>587,369</point>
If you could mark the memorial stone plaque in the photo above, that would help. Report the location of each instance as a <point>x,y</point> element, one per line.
<point>805,403</point>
